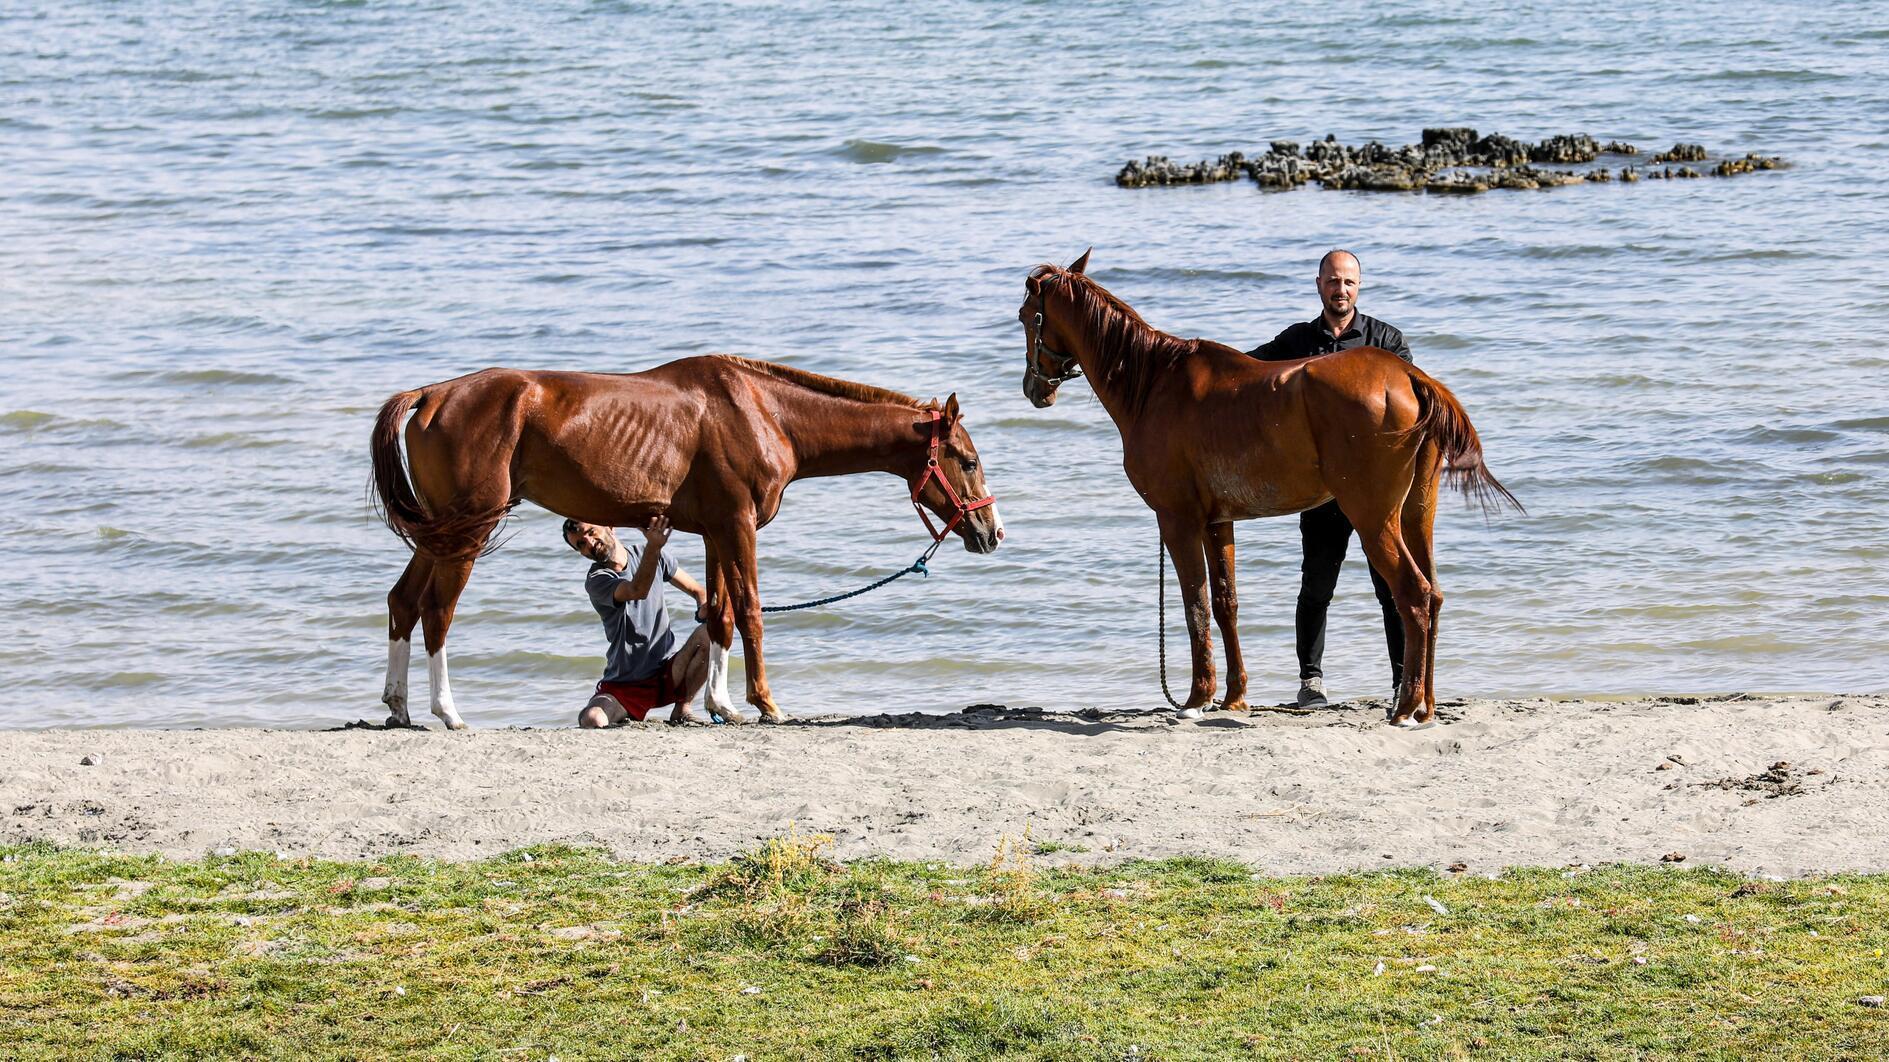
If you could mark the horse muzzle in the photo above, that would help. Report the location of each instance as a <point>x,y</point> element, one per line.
<point>984,535</point>
<point>1040,394</point>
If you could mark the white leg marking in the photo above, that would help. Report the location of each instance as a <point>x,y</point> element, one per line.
<point>715,690</point>
<point>443,691</point>
<point>394,694</point>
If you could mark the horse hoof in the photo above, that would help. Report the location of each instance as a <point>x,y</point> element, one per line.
<point>774,719</point>
<point>1410,723</point>
<point>397,722</point>
<point>1188,713</point>
<point>1233,706</point>
<point>730,719</point>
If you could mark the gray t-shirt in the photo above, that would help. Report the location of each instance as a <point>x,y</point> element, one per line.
<point>640,639</point>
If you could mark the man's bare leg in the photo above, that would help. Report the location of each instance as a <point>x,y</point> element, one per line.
<point>602,711</point>
<point>688,670</point>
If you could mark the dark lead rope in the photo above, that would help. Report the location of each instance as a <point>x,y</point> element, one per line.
<point>1161,595</point>
<point>916,566</point>
<point>1161,580</point>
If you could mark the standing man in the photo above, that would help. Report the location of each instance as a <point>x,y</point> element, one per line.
<point>1324,531</point>
<point>644,670</point>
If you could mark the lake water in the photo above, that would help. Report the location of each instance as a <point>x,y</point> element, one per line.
<point>229,231</point>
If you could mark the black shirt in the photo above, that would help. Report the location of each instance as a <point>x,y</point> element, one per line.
<point>1311,338</point>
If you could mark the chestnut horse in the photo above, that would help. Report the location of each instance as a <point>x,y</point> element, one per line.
<point>1210,436</point>
<point>709,441</point>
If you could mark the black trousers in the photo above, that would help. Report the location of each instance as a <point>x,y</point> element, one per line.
<point>1325,534</point>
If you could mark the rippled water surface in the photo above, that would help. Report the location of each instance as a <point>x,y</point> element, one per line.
<point>229,231</point>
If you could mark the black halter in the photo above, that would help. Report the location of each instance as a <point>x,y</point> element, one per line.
<point>1066,367</point>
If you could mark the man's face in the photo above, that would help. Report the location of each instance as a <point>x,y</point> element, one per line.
<point>1338,285</point>
<point>594,541</point>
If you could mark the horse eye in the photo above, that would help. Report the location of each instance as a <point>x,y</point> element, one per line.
<point>969,466</point>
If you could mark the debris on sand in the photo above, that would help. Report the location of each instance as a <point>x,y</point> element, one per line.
<point>1781,779</point>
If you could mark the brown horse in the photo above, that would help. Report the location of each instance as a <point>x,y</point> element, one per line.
<point>709,441</point>
<point>1210,436</point>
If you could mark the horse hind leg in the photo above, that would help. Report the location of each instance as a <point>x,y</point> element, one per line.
<point>1381,534</point>
<point>1411,590</point>
<point>1419,527</point>
<point>403,612</point>
<point>436,617</point>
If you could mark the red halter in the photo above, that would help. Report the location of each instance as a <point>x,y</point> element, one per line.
<point>960,510</point>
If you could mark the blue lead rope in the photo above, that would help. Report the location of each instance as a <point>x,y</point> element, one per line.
<point>916,566</point>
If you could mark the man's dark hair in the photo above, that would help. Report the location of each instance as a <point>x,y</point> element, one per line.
<point>1339,250</point>
<point>570,527</point>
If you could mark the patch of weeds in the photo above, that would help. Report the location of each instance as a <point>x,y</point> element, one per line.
<point>997,1024</point>
<point>1044,848</point>
<point>864,936</point>
<point>768,891</point>
<point>1207,871</point>
<point>782,922</point>
<point>787,864</point>
<point>1012,880</point>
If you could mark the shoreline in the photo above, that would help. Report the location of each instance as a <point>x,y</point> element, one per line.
<point>1500,783</point>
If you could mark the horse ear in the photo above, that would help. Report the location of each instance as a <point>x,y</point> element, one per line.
<point>1081,263</point>
<point>951,413</point>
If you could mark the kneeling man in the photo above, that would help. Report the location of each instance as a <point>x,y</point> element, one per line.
<point>644,669</point>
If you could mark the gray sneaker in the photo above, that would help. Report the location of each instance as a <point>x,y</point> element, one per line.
<point>1312,693</point>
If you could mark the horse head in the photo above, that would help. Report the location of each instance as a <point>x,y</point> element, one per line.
<point>951,483</point>
<point>1045,366</point>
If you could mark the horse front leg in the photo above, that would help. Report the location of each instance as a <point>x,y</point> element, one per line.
<point>746,594</point>
<point>403,613</point>
<point>1183,539</point>
<point>1226,611</point>
<point>721,631</point>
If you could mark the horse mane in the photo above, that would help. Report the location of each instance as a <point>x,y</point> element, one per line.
<point>1133,353</point>
<point>827,385</point>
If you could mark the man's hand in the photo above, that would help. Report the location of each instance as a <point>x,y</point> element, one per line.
<point>656,532</point>
<point>701,609</point>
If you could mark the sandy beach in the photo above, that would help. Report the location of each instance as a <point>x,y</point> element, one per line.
<point>1499,783</point>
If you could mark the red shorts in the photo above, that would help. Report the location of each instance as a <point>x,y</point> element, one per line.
<point>639,698</point>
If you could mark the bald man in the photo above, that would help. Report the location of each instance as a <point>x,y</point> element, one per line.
<point>1324,532</point>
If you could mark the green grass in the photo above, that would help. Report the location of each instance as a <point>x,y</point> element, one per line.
<point>785,954</point>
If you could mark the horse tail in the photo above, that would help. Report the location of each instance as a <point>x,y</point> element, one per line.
<point>392,492</point>
<point>1442,419</point>
<point>459,533</point>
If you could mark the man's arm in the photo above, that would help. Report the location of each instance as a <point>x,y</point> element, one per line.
<point>681,581</point>
<point>1392,340</point>
<point>1283,347</point>
<point>636,587</point>
<point>1399,347</point>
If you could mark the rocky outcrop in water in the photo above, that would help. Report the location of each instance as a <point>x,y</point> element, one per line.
<point>1453,160</point>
